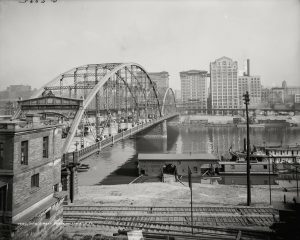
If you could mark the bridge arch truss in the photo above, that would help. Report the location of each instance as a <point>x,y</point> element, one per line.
<point>114,93</point>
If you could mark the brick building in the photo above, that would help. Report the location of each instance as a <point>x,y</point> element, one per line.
<point>30,179</point>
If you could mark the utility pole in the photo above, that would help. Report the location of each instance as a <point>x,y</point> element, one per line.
<point>190,186</point>
<point>270,189</point>
<point>297,179</point>
<point>247,100</point>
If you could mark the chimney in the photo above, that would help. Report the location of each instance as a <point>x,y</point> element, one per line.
<point>248,67</point>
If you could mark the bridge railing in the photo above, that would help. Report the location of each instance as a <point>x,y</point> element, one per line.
<point>76,156</point>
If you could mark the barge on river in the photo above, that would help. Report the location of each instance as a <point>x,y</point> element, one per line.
<point>282,154</point>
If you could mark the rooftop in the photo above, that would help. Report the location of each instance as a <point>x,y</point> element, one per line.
<point>194,72</point>
<point>22,125</point>
<point>182,157</point>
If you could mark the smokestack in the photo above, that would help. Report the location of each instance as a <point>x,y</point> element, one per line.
<point>248,67</point>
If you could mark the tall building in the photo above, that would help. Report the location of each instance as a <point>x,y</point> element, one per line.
<point>194,87</point>
<point>160,78</point>
<point>289,92</point>
<point>178,95</point>
<point>224,84</point>
<point>252,84</point>
<point>284,94</point>
<point>277,95</point>
<point>9,97</point>
<point>266,96</point>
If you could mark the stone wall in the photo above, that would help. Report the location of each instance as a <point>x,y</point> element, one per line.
<point>24,195</point>
<point>49,169</point>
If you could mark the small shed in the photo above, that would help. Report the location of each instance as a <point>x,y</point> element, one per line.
<point>154,164</point>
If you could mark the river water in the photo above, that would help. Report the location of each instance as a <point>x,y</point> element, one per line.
<point>118,164</point>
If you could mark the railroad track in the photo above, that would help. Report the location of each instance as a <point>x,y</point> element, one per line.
<point>167,210</point>
<point>199,232</point>
<point>208,221</point>
<point>225,221</point>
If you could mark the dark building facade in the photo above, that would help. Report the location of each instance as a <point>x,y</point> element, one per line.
<point>30,180</point>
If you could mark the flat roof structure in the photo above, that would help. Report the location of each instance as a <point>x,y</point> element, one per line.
<point>201,157</point>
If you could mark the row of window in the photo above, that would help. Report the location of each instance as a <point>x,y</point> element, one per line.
<point>233,166</point>
<point>216,106</point>
<point>24,150</point>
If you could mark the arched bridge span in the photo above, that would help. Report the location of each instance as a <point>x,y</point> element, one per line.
<point>101,100</point>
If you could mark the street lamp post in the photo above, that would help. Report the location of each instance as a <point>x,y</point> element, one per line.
<point>247,100</point>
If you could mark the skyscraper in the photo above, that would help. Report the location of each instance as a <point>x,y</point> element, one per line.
<point>160,78</point>
<point>194,87</point>
<point>251,84</point>
<point>224,84</point>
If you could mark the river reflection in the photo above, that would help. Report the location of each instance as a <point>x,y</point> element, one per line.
<point>118,164</point>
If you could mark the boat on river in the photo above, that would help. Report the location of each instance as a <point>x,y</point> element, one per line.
<point>83,167</point>
<point>259,164</point>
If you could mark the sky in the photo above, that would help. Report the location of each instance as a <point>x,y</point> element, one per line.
<point>39,41</point>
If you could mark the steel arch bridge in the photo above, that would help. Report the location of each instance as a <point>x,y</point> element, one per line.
<point>118,95</point>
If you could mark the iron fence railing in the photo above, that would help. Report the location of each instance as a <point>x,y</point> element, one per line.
<point>76,156</point>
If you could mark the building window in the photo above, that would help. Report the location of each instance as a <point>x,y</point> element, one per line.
<point>55,187</point>
<point>35,180</point>
<point>24,152</point>
<point>265,167</point>
<point>3,198</point>
<point>195,169</point>
<point>45,147</point>
<point>1,154</point>
<point>48,214</point>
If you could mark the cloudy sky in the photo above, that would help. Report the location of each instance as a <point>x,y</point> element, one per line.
<point>38,41</point>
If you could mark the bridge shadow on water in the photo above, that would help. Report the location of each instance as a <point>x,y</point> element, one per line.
<point>124,174</point>
<point>127,172</point>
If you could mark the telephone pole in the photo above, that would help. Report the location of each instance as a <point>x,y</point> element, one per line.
<point>247,100</point>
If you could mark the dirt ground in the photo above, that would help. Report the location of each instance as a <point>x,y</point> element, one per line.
<point>175,194</point>
<point>167,194</point>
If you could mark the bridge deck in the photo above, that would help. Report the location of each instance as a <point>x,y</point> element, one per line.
<point>77,156</point>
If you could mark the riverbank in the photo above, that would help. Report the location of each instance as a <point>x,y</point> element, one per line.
<point>175,194</point>
<point>228,119</point>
